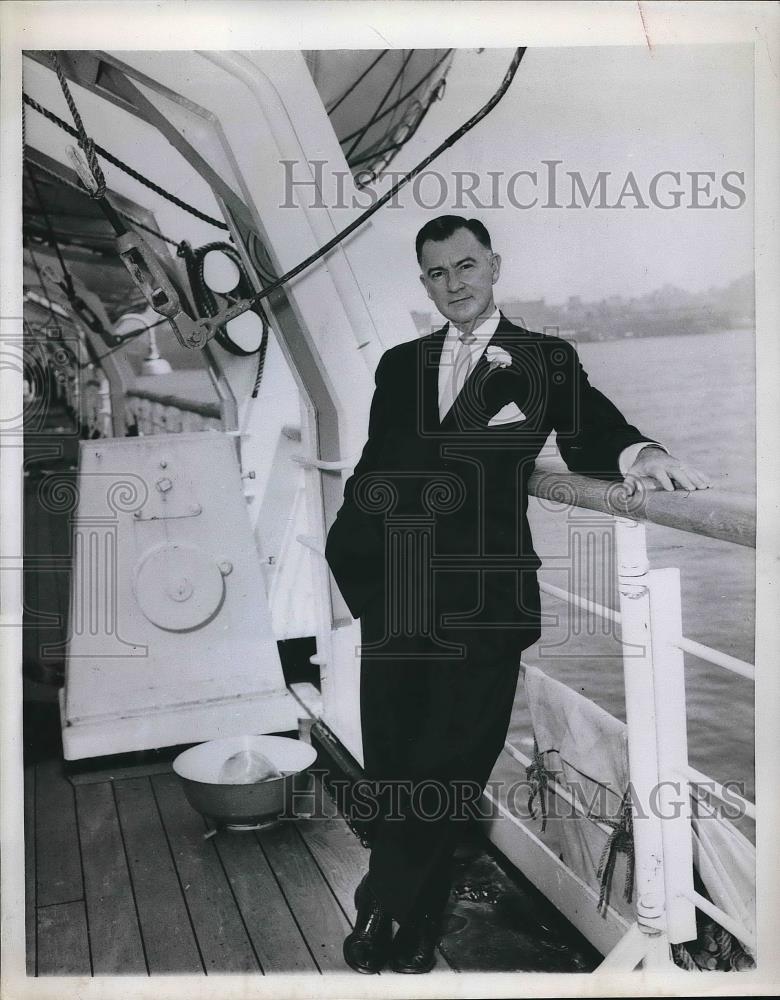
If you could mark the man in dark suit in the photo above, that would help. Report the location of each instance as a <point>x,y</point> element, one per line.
<point>432,551</point>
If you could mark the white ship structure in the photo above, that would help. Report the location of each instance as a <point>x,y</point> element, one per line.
<point>192,465</point>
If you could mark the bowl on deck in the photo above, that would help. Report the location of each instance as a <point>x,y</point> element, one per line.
<point>246,782</point>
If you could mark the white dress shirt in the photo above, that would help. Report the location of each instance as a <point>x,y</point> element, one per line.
<point>458,360</point>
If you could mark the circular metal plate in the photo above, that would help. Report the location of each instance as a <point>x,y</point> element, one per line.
<point>178,587</point>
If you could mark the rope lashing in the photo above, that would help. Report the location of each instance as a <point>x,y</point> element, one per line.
<point>536,773</point>
<point>620,839</point>
<point>85,143</point>
<point>124,167</point>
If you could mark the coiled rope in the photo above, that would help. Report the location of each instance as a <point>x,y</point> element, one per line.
<point>620,839</point>
<point>536,774</point>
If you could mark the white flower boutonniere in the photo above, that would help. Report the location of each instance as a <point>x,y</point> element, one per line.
<point>497,357</point>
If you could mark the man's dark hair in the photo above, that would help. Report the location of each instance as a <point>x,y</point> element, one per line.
<point>444,226</point>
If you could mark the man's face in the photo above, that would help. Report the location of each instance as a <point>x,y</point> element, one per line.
<point>458,274</point>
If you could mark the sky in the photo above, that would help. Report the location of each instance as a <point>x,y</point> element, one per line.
<point>620,110</point>
<point>616,109</point>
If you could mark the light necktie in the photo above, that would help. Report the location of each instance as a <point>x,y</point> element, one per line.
<point>462,364</point>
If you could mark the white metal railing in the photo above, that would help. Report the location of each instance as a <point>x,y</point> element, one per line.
<point>156,413</point>
<point>653,648</point>
<point>592,607</point>
<point>714,788</point>
<point>653,645</point>
<point>719,659</point>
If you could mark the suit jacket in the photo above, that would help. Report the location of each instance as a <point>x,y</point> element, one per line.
<point>459,486</point>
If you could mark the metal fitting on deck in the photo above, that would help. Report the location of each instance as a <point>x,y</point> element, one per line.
<point>650,912</point>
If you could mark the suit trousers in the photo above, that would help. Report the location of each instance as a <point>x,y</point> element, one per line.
<point>432,729</point>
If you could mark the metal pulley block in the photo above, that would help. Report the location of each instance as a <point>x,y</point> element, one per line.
<point>151,280</point>
<point>143,266</point>
<point>148,275</point>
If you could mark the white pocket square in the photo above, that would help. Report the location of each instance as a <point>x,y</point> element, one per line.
<point>509,414</point>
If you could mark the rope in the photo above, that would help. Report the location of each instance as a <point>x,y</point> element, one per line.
<point>458,134</point>
<point>86,144</point>
<point>621,839</point>
<point>379,106</point>
<point>389,151</point>
<point>536,773</point>
<point>401,99</point>
<point>254,300</point>
<point>401,82</point>
<point>80,189</point>
<point>360,79</point>
<point>261,354</point>
<point>131,336</point>
<point>121,165</point>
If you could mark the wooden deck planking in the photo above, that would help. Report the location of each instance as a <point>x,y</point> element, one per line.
<point>63,941</point>
<point>219,928</point>
<point>340,855</point>
<point>165,924</point>
<point>308,894</point>
<point>114,933</point>
<point>118,772</point>
<point>157,897</point>
<point>57,851</point>
<point>29,868</point>
<point>277,939</point>
<point>343,859</point>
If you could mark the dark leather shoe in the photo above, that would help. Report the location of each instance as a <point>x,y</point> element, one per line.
<point>414,946</point>
<point>367,948</point>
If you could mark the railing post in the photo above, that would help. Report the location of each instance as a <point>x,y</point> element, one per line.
<point>671,720</point>
<point>650,906</point>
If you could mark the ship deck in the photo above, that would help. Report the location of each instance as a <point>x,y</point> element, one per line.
<point>120,879</point>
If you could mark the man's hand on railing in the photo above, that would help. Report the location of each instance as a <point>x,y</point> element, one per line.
<point>666,470</point>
